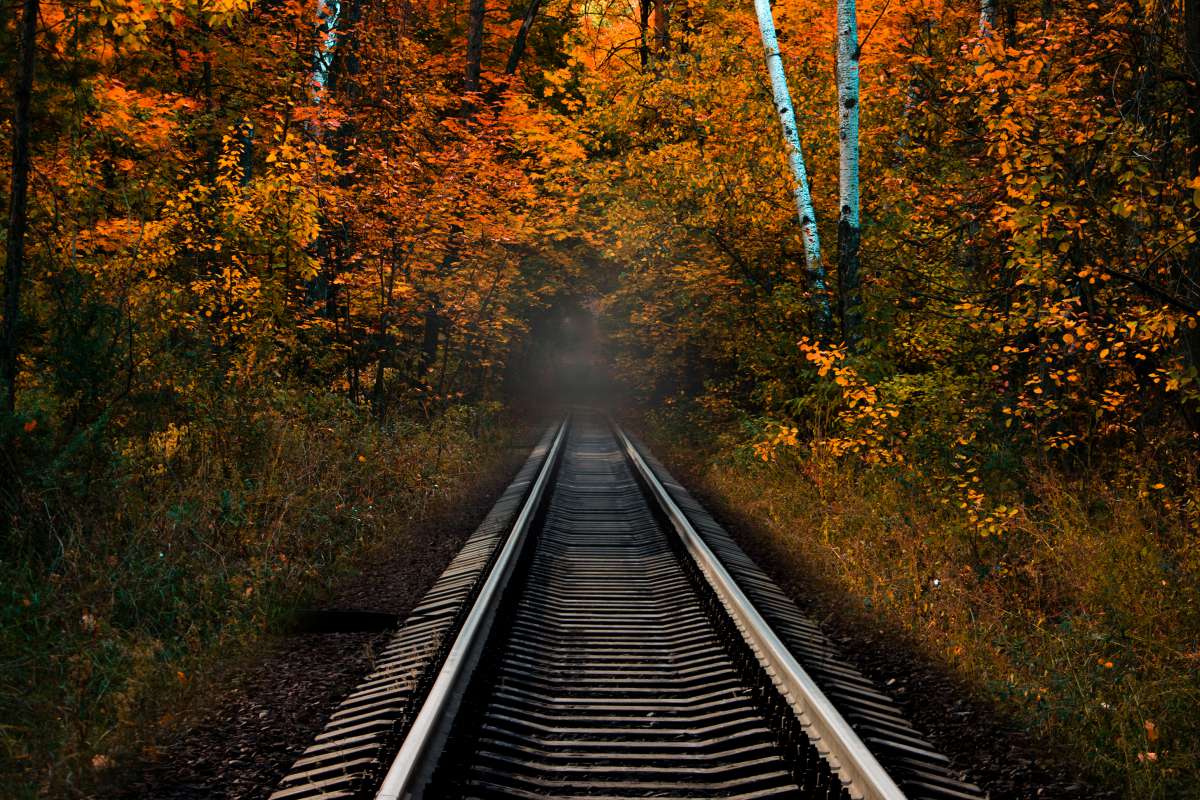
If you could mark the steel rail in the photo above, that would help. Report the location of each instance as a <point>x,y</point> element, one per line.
<point>848,754</point>
<point>414,763</point>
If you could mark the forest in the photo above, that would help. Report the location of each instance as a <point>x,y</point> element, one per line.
<point>914,283</point>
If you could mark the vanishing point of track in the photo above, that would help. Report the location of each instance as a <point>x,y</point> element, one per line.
<point>601,636</point>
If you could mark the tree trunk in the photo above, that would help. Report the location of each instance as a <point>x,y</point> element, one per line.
<point>644,7</point>
<point>18,201</point>
<point>514,56</point>
<point>345,64</point>
<point>432,326</point>
<point>518,48</point>
<point>987,18</point>
<point>337,67</point>
<point>849,232</point>
<point>1191,33</point>
<point>329,22</point>
<point>475,45</point>
<point>379,390</point>
<point>662,32</point>
<point>804,208</point>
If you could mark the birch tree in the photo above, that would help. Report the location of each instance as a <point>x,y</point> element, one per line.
<point>849,231</point>
<point>328,23</point>
<point>987,18</point>
<point>791,136</point>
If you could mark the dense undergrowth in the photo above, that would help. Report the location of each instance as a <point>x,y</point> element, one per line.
<point>140,570</point>
<point>1079,619</point>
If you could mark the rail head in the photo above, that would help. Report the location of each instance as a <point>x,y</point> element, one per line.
<point>849,756</point>
<point>414,763</point>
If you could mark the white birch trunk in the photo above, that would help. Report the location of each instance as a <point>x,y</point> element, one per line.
<point>804,207</point>
<point>847,68</point>
<point>849,232</point>
<point>328,12</point>
<point>987,18</point>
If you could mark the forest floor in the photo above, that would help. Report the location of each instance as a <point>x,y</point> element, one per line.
<point>1034,676</point>
<point>1034,685</point>
<point>242,739</point>
<point>156,652</point>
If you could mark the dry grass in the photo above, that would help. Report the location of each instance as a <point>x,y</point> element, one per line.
<point>1080,620</point>
<point>197,542</point>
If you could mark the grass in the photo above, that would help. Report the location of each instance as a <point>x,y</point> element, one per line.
<point>125,594</point>
<point>1079,620</point>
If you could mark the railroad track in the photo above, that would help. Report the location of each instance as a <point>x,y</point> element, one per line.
<point>601,636</point>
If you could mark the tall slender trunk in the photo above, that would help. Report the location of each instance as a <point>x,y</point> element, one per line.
<point>18,202</point>
<point>434,322</point>
<point>245,136</point>
<point>849,231</point>
<point>329,14</point>
<point>804,207</point>
<point>1191,40</point>
<point>336,70</point>
<point>662,28</point>
<point>475,45</point>
<point>514,56</point>
<point>518,48</point>
<point>987,17</point>
<point>644,7</point>
<point>1191,33</point>
<point>431,328</point>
